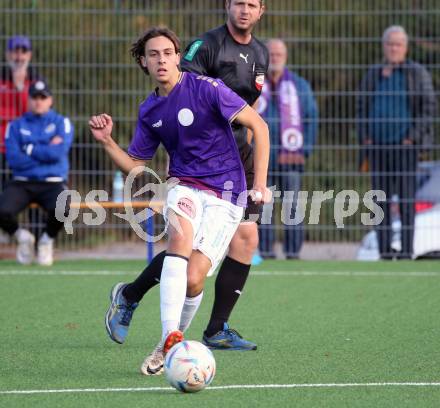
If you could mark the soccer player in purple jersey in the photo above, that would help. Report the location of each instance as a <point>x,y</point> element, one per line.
<point>232,53</point>
<point>191,116</point>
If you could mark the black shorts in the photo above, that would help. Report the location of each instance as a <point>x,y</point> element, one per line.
<point>253,211</point>
<point>19,194</point>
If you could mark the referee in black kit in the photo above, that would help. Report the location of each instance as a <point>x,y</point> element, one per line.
<point>231,53</point>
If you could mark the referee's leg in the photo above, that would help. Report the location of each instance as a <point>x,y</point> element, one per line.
<point>233,273</point>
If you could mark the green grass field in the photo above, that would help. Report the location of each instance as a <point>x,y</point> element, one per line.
<point>318,325</point>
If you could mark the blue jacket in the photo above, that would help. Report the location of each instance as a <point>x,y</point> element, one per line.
<point>310,115</point>
<point>28,150</point>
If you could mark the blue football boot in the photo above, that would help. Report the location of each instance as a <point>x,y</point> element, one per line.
<point>119,314</point>
<point>228,339</point>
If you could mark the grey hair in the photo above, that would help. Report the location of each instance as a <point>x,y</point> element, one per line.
<point>274,39</point>
<point>394,29</point>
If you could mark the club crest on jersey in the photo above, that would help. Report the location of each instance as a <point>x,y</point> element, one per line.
<point>259,81</point>
<point>50,128</point>
<point>187,205</point>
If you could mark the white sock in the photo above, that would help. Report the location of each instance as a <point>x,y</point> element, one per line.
<point>23,235</point>
<point>189,310</point>
<point>172,292</point>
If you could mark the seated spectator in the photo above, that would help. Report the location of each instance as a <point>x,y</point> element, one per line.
<point>37,148</point>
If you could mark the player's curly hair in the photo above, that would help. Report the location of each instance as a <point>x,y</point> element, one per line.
<point>138,48</point>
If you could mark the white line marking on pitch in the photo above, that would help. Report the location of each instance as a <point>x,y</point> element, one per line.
<point>416,274</point>
<point>27,272</point>
<point>344,273</point>
<point>228,387</point>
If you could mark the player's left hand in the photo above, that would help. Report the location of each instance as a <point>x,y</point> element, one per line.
<point>261,194</point>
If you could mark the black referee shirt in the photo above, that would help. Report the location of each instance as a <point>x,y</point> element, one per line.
<point>242,67</point>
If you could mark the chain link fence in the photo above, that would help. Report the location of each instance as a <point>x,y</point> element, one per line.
<point>82,48</point>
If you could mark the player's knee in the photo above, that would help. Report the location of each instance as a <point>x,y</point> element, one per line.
<point>178,243</point>
<point>194,283</point>
<point>246,242</point>
<point>251,243</point>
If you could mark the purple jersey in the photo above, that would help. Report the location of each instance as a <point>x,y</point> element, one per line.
<point>194,125</point>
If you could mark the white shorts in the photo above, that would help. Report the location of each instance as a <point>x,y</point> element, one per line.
<point>214,220</point>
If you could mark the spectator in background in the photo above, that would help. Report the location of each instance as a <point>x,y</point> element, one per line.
<point>15,79</point>
<point>395,110</point>
<point>37,149</point>
<point>289,107</point>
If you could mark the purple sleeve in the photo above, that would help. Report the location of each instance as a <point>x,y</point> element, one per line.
<point>228,102</point>
<point>144,143</point>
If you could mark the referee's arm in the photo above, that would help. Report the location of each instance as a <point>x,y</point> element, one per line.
<point>198,58</point>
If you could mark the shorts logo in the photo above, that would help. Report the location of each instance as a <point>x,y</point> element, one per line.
<point>187,206</point>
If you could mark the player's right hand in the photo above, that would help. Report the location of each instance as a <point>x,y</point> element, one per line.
<point>101,127</point>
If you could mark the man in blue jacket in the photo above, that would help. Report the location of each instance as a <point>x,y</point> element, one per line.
<point>289,107</point>
<point>37,148</point>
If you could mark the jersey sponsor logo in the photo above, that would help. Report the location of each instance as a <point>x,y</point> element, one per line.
<point>244,57</point>
<point>50,128</point>
<point>185,117</point>
<point>25,132</point>
<point>187,205</point>
<point>259,82</point>
<point>157,124</point>
<point>212,81</point>
<point>193,50</point>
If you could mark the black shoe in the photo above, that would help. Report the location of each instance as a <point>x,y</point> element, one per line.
<point>403,256</point>
<point>292,257</point>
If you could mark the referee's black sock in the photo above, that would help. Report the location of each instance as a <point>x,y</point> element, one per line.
<point>228,286</point>
<point>150,277</point>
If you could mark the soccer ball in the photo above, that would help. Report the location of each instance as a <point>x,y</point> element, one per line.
<point>189,366</point>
